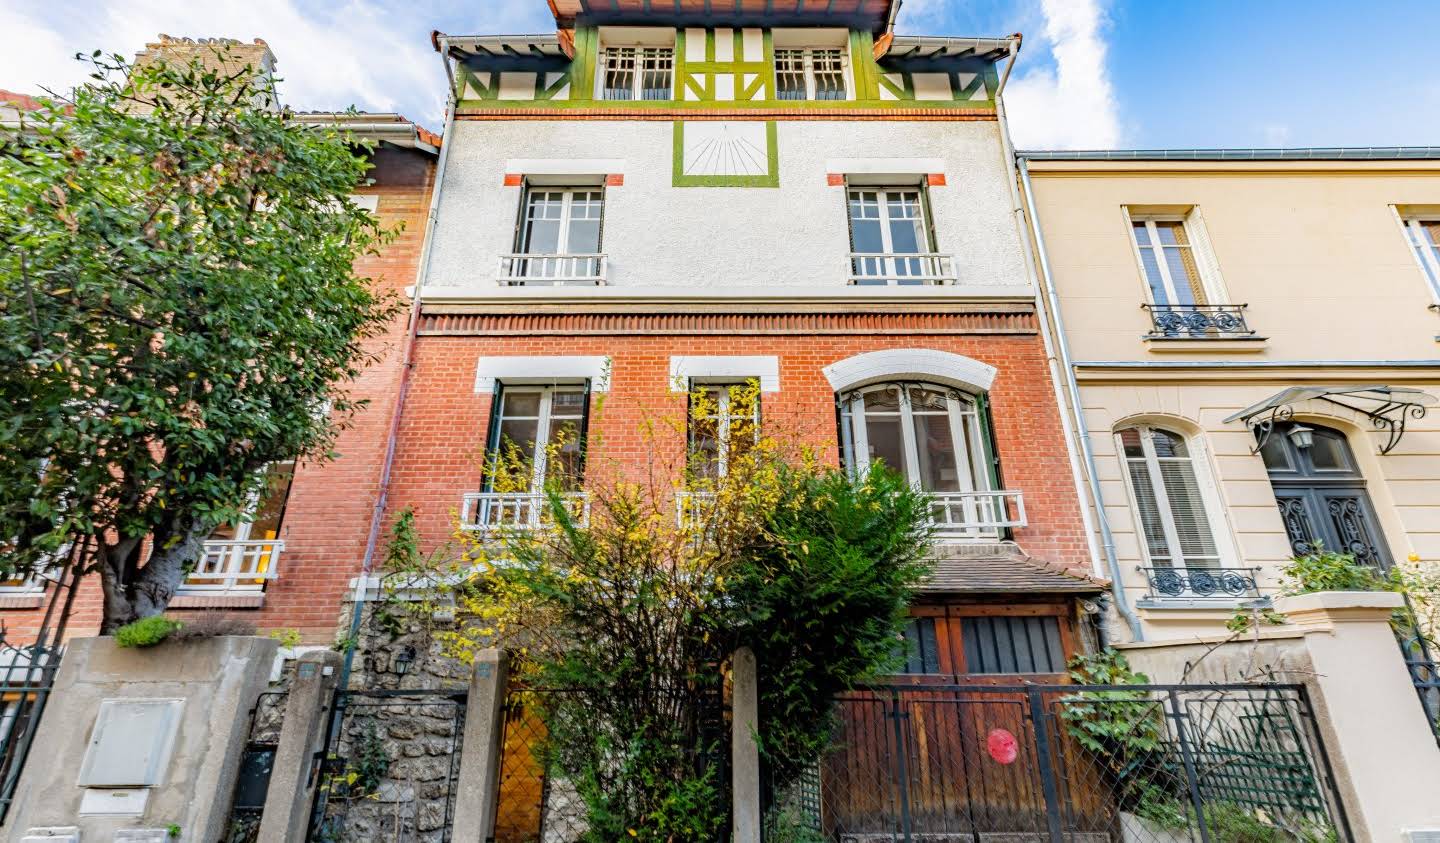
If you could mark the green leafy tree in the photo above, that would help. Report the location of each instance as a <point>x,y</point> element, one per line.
<point>634,615</point>
<point>178,310</point>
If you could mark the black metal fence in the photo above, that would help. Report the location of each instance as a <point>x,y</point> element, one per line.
<point>390,770</point>
<point>1421,660</point>
<point>1231,763</point>
<point>27,673</point>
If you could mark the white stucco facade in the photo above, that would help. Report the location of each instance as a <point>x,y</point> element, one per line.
<point>671,240</point>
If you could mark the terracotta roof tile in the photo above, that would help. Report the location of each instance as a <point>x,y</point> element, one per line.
<point>1003,568</point>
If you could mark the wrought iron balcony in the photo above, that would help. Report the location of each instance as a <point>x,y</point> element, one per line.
<point>880,269</point>
<point>552,270</point>
<point>976,515</point>
<point>1202,583</point>
<point>1198,321</point>
<point>227,565</point>
<point>489,511</point>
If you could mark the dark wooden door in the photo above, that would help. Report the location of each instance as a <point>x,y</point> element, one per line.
<point>1321,495</point>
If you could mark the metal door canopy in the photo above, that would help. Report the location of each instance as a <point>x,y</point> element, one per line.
<point>1388,407</point>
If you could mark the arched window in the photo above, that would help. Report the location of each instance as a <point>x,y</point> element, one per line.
<point>937,437</point>
<point>1165,487</point>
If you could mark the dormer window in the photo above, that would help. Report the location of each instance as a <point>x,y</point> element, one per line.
<point>810,74</point>
<point>637,73</point>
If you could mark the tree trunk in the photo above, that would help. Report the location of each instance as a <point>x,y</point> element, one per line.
<point>149,589</point>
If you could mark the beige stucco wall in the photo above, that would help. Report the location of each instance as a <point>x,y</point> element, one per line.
<point>1402,484</point>
<point>1318,254</point>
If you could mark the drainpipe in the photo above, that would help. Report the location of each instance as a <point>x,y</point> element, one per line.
<point>1018,216</point>
<point>1117,587</point>
<point>407,365</point>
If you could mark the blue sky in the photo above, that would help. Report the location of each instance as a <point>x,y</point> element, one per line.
<point>1093,73</point>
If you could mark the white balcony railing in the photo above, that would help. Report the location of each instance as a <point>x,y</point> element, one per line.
<point>691,508</point>
<point>876,268</point>
<point>976,515</point>
<point>485,511</point>
<point>226,565</point>
<point>552,270</point>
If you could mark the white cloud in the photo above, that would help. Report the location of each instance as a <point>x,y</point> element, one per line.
<point>1072,105</point>
<point>374,54</point>
<point>35,57</point>
<point>1275,134</point>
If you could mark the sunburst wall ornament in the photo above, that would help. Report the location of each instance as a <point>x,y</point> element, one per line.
<point>711,153</point>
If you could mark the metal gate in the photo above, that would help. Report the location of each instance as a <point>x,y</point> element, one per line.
<point>1076,763</point>
<point>390,768</point>
<point>27,674</point>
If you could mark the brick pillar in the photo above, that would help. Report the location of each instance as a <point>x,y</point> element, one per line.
<point>302,736</point>
<point>478,790</point>
<point>744,748</point>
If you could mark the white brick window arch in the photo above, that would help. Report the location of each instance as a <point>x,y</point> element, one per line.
<point>911,364</point>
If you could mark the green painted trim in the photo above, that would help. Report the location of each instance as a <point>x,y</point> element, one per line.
<point>543,93</point>
<point>767,52</point>
<point>582,67</point>
<point>797,106</point>
<point>772,152</point>
<point>863,69</point>
<point>906,91</point>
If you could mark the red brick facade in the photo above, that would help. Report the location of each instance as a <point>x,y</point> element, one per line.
<point>328,514</point>
<point>445,420</point>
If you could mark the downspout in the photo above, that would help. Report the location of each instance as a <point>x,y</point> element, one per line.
<point>1117,586</point>
<point>1018,211</point>
<point>407,365</point>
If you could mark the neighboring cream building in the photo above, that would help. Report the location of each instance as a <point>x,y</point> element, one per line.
<point>1192,289</point>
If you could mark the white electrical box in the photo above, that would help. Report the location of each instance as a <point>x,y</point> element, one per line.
<point>131,743</point>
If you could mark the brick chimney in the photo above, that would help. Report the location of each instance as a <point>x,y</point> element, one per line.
<point>225,55</point>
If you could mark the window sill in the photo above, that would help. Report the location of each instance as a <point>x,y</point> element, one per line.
<point>1230,345</point>
<point>219,600</point>
<point>21,601</point>
<point>1201,606</point>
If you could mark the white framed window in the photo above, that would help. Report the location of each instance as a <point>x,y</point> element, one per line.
<point>722,426</point>
<point>1424,236</point>
<point>545,427</point>
<point>931,434</point>
<point>1175,518</point>
<point>243,555</point>
<point>557,238</point>
<point>561,221</point>
<point>811,74</point>
<point>1169,260</point>
<point>637,73</point>
<point>890,238</point>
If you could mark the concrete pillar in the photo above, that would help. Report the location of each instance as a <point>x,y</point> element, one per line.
<point>478,790</point>
<point>745,747</point>
<point>1377,735</point>
<point>302,735</point>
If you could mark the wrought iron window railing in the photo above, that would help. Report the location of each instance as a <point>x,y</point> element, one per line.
<point>227,565</point>
<point>1198,321</point>
<point>486,511</point>
<point>536,270</point>
<point>1201,583</point>
<point>880,269</point>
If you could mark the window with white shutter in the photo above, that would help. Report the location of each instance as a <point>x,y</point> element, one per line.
<point>1176,527</point>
